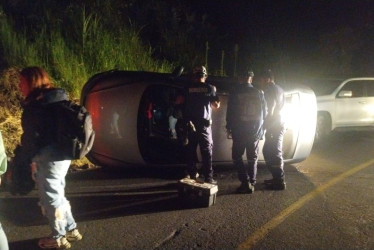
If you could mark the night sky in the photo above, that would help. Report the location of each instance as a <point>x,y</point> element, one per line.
<point>307,33</point>
<point>287,20</point>
<point>298,28</point>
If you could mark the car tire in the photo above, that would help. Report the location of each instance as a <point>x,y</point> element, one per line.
<point>323,128</point>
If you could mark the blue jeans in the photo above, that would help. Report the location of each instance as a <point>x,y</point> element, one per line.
<point>3,240</point>
<point>50,178</point>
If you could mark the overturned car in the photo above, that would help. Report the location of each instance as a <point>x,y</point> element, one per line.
<point>131,110</point>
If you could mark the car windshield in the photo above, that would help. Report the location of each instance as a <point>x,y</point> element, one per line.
<point>324,86</point>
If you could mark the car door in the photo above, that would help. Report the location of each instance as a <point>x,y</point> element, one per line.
<point>350,104</point>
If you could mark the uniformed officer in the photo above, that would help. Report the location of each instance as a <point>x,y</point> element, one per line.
<point>275,129</point>
<point>246,111</point>
<point>200,98</point>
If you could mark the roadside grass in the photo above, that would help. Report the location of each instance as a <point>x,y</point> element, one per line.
<point>10,109</point>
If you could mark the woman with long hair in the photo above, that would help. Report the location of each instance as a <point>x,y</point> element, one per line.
<point>46,160</point>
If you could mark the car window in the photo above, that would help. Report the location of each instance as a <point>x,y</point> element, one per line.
<point>323,86</point>
<point>370,88</point>
<point>161,107</point>
<point>357,88</point>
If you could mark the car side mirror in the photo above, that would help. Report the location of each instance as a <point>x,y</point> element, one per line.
<point>345,93</point>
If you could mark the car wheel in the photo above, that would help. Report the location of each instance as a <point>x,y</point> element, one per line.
<point>323,128</point>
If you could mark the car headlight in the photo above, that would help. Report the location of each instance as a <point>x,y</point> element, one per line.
<point>300,113</point>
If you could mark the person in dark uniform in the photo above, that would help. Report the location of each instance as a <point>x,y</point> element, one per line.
<point>200,98</point>
<point>246,111</point>
<point>275,129</point>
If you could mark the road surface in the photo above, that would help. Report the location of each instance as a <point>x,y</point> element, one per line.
<point>328,204</point>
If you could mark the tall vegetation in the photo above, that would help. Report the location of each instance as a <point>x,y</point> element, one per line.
<point>72,43</point>
<point>72,54</point>
<point>77,38</point>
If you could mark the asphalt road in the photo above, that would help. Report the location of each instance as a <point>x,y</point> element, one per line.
<point>328,204</point>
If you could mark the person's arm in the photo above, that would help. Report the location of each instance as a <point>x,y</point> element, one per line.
<point>232,108</point>
<point>229,116</point>
<point>32,129</point>
<point>270,99</point>
<point>264,106</point>
<point>271,103</point>
<point>215,102</point>
<point>229,113</point>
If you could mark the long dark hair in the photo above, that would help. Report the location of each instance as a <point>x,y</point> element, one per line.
<point>36,77</point>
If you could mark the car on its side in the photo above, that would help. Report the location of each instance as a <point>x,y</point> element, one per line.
<point>130,114</point>
<point>344,105</point>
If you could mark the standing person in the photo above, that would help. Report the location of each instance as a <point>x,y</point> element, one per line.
<point>174,113</point>
<point>38,143</point>
<point>275,129</point>
<point>200,98</point>
<point>246,111</point>
<point>3,167</point>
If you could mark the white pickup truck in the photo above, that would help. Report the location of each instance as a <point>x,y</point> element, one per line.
<point>344,105</point>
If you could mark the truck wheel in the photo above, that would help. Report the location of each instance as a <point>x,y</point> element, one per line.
<point>323,128</point>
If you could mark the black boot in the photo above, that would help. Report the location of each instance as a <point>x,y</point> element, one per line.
<point>275,184</point>
<point>245,188</point>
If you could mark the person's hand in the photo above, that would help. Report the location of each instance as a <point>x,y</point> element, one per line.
<point>229,134</point>
<point>216,104</point>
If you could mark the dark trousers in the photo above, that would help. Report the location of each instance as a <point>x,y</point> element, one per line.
<point>203,138</point>
<point>273,150</point>
<point>243,142</point>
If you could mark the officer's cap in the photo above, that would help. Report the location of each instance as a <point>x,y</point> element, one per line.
<point>247,73</point>
<point>199,71</point>
<point>267,74</point>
